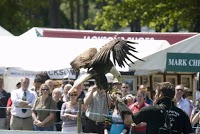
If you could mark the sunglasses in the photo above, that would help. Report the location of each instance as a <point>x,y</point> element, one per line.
<point>179,89</point>
<point>124,87</point>
<point>45,89</point>
<point>73,94</point>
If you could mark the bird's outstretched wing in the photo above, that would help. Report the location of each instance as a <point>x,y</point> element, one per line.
<point>83,60</point>
<point>120,49</point>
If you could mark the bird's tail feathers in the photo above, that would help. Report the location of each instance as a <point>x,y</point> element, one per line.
<point>116,74</point>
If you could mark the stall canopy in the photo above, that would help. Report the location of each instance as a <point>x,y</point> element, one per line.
<point>90,34</point>
<point>183,56</point>
<point>33,32</point>
<point>55,54</point>
<point>4,32</point>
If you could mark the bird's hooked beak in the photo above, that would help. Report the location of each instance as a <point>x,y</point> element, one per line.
<point>116,74</point>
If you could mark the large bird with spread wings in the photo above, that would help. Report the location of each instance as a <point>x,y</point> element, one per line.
<point>98,63</point>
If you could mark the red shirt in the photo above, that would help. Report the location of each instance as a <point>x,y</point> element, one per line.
<point>9,102</point>
<point>135,108</point>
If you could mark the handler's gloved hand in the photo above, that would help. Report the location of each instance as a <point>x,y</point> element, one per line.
<point>123,109</point>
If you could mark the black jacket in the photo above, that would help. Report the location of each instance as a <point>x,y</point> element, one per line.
<point>3,103</point>
<point>155,117</point>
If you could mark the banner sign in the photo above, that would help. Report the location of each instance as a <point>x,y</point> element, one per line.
<point>183,62</point>
<point>85,34</point>
<point>53,74</point>
<point>62,73</point>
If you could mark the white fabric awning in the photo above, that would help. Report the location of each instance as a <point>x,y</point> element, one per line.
<point>157,61</point>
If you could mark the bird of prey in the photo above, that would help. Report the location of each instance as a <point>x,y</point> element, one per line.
<point>98,63</point>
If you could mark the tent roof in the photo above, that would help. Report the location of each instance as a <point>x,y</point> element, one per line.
<point>33,32</point>
<point>44,54</point>
<point>4,32</point>
<point>157,61</point>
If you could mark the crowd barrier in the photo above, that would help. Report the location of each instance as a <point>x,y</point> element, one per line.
<point>79,124</point>
<point>34,132</point>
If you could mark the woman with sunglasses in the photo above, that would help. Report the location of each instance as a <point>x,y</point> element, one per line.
<point>69,112</point>
<point>43,110</point>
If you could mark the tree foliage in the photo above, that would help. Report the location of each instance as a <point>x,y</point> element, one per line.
<point>18,16</point>
<point>161,15</point>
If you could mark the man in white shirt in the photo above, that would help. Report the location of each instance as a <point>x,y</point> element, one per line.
<point>23,100</point>
<point>181,102</point>
<point>97,103</point>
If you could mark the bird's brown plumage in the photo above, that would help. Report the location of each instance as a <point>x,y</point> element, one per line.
<point>84,59</point>
<point>120,48</point>
<point>98,63</point>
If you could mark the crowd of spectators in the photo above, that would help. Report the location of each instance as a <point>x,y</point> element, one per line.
<point>47,106</point>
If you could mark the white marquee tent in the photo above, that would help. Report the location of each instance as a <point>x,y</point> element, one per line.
<point>25,56</point>
<point>156,62</point>
<point>4,32</point>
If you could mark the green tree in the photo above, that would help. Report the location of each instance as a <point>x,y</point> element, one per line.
<point>161,15</point>
<point>19,16</point>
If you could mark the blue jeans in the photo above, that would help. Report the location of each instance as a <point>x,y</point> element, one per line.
<point>50,128</point>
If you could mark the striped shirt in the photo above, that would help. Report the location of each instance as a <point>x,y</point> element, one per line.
<point>66,108</point>
<point>97,107</point>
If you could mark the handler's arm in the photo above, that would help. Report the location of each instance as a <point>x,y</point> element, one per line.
<point>88,97</point>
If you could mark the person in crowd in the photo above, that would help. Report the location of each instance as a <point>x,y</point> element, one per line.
<point>129,99</point>
<point>18,85</point>
<point>36,85</point>
<point>50,83</point>
<point>147,98</point>
<point>56,84</point>
<point>186,97</point>
<point>80,96</point>
<point>64,82</point>
<point>4,96</point>
<point>125,89</point>
<point>180,101</point>
<point>43,111</point>
<point>8,112</point>
<point>116,85</point>
<point>9,104</point>
<point>113,97</point>
<point>115,125</point>
<point>71,82</point>
<point>162,118</point>
<point>196,109</point>
<point>196,122</point>
<point>137,106</point>
<point>65,95</point>
<point>57,97</point>
<point>69,113</point>
<point>22,102</point>
<point>97,102</point>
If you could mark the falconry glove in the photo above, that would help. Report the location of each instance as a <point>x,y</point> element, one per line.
<point>123,109</point>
